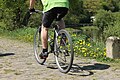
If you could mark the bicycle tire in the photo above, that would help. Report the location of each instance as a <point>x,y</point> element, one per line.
<point>62,53</point>
<point>26,18</point>
<point>38,46</point>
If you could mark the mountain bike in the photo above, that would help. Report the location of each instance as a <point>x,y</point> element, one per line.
<point>59,44</point>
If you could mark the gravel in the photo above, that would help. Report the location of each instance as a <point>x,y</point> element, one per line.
<point>17,62</point>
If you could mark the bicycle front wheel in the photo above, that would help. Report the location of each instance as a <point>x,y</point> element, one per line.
<point>64,53</point>
<point>38,46</point>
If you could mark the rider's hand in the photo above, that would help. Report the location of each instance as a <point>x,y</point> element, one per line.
<point>32,10</point>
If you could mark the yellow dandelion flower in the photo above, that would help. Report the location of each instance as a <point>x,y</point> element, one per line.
<point>80,43</point>
<point>85,54</point>
<point>80,40</point>
<point>104,49</point>
<point>83,51</point>
<point>83,42</point>
<point>97,48</point>
<point>104,53</point>
<point>88,44</point>
<point>90,55</point>
<point>94,55</point>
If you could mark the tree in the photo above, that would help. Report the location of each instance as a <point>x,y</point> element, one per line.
<point>77,13</point>
<point>12,12</point>
<point>92,6</point>
<point>112,5</point>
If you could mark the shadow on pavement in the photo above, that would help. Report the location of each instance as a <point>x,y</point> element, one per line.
<point>86,70</point>
<point>96,66</point>
<point>52,65</point>
<point>6,54</point>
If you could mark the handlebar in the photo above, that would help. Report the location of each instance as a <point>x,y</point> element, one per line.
<point>37,11</point>
<point>27,16</point>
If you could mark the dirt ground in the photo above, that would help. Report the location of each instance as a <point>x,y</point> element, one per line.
<point>17,62</point>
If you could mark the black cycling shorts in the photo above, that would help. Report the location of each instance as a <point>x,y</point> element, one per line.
<point>56,13</point>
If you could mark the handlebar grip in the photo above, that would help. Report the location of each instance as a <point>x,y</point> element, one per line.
<point>26,18</point>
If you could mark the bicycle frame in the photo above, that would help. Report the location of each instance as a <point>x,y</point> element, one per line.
<point>61,47</point>
<point>55,29</point>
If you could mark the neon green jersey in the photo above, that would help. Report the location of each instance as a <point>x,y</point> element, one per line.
<point>49,4</point>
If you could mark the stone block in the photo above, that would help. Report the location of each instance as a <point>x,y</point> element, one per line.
<point>113,47</point>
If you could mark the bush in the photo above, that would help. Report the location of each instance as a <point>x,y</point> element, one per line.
<point>23,34</point>
<point>108,23</point>
<point>13,13</point>
<point>86,47</point>
<point>91,31</point>
<point>112,30</point>
<point>103,19</point>
<point>117,16</point>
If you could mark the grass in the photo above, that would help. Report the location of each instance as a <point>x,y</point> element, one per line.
<point>83,44</point>
<point>23,34</point>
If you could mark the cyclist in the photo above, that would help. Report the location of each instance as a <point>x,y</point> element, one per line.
<point>53,10</point>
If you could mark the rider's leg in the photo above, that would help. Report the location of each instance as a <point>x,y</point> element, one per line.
<point>44,34</point>
<point>61,24</point>
<point>47,19</point>
<point>44,38</point>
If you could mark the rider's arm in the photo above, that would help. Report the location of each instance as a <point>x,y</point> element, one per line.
<point>32,2</point>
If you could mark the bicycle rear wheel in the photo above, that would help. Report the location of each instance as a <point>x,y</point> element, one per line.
<point>64,53</point>
<point>38,46</point>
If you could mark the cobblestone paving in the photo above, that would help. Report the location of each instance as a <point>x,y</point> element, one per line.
<point>17,62</point>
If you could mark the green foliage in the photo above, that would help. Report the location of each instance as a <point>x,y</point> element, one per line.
<point>82,44</point>
<point>2,25</point>
<point>12,13</point>
<point>103,19</point>
<point>112,5</point>
<point>117,16</point>
<point>108,23</point>
<point>112,30</point>
<point>86,47</point>
<point>92,6</point>
<point>91,31</point>
<point>35,20</point>
<point>23,34</point>
<point>77,14</point>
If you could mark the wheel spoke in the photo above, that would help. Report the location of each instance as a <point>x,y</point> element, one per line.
<point>64,51</point>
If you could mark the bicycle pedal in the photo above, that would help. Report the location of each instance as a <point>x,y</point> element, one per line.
<point>66,53</point>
